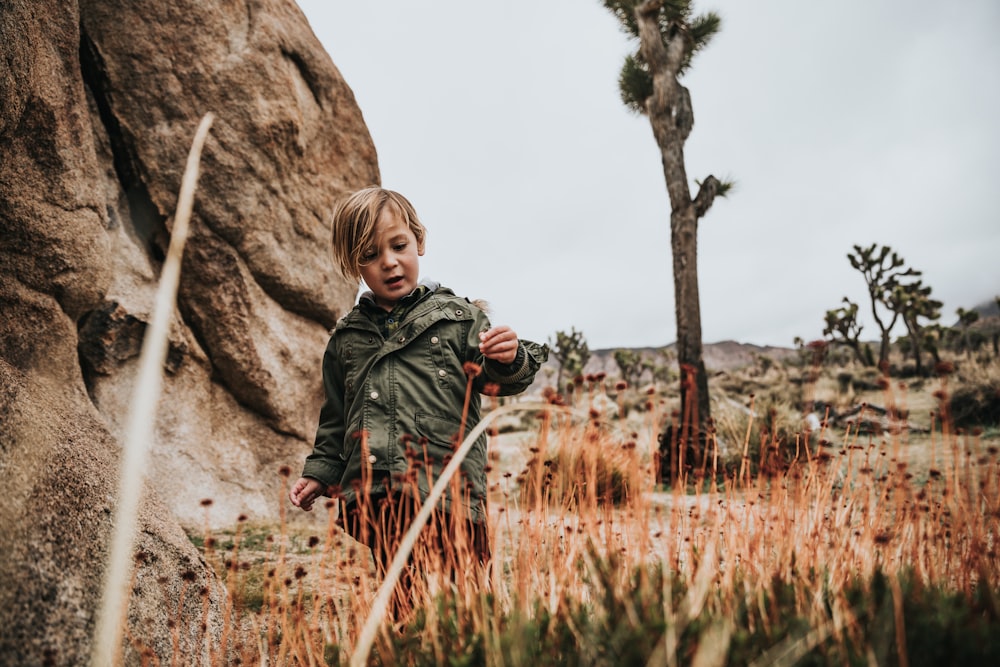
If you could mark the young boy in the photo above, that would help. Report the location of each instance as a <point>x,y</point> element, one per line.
<point>395,373</point>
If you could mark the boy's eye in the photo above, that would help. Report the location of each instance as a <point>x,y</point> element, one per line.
<point>368,256</point>
<point>399,247</point>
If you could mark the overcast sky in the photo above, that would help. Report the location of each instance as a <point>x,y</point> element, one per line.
<point>842,123</point>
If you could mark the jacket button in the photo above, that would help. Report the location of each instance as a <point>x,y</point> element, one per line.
<point>372,459</point>
<point>442,372</point>
<point>374,395</point>
<point>434,339</point>
<point>402,339</point>
<point>458,313</point>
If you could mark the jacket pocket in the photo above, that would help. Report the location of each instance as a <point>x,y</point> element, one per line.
<point>441,432</point>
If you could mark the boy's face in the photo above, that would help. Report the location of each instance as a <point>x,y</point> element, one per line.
<point>390,267</point>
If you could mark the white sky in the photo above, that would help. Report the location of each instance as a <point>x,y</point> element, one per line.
<point>842,123</point>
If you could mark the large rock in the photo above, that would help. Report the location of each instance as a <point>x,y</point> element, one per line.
<point>55,522</point>
<point>98,106</point>
<point>257,294</point>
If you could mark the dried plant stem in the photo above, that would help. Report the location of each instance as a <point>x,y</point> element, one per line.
<point>379,606</point>
<point>111,613</point>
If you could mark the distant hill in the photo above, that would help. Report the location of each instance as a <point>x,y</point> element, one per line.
<point>727,355</point>
<point>988,308</point>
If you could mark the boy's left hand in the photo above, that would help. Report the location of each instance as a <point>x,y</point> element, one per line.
<point>499,344</point>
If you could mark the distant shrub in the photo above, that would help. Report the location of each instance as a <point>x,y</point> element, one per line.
<point>976,403</point>
<point>583,471</point>
<point>771,434</point>
<point>844,381</point>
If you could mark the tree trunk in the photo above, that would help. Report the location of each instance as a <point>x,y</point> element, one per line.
<point>913,329</point>
<point>883,351</point>
<point>671,118</point>
<point>935,355</point>
<point>687,308</point>
<point>858,354</point>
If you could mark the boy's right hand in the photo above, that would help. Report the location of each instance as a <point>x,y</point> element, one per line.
<point>305,492</point>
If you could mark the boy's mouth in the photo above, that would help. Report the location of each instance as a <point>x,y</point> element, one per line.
<point>392,282</point>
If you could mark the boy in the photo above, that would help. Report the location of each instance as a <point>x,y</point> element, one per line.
<point>395,374</point>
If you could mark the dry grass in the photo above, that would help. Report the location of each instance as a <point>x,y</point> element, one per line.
<point>593,563</point>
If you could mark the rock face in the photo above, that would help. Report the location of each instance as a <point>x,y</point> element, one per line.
<point>99,101</point>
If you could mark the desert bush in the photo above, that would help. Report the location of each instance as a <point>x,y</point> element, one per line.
<point>970,392</point>
<point>845,380</point>
<point>867,379</point>
<point>735,384</point>
<point>584,468</point>
<point>976,403</point>
<point>763,437</point>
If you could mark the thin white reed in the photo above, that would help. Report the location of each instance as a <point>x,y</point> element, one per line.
<point>111,613</point>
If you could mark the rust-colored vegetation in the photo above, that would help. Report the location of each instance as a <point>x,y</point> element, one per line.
<point>834,541</point>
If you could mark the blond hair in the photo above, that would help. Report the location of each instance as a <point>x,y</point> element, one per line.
<point>354,221</point>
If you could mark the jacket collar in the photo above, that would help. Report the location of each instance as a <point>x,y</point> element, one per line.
<point>368,297</point>
<point>357,318</point>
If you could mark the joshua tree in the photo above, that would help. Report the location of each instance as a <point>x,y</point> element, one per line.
<point>966,318</point>
<point>842,328</point>
<point>913,301</point>
<point>572,353</point>
<point>630,364</point>
<point>661,363</point>
<point>931,337</point>
<point>882,269</point>
<point>669,35</point>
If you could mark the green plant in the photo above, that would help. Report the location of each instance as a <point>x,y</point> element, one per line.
<point>966,318</point>
<point>630,365</point>
<point>572,353</point>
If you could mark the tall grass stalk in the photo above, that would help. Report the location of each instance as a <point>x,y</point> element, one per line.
<point>376,616</point>
<point>139,433</point>
<point>843,553</point>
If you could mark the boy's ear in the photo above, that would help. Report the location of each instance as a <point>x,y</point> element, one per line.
<point>420,248</point>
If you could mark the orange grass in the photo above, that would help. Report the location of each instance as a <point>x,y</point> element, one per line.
<point>833,516</point>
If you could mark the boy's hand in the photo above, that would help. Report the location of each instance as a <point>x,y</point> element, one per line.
<point>305,492</point>
<point>499,344</point>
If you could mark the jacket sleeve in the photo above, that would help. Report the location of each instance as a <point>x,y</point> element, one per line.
<point>327,460</point>
<point>512,378</point>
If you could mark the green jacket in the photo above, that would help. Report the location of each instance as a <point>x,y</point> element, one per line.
<point>405,393</point>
